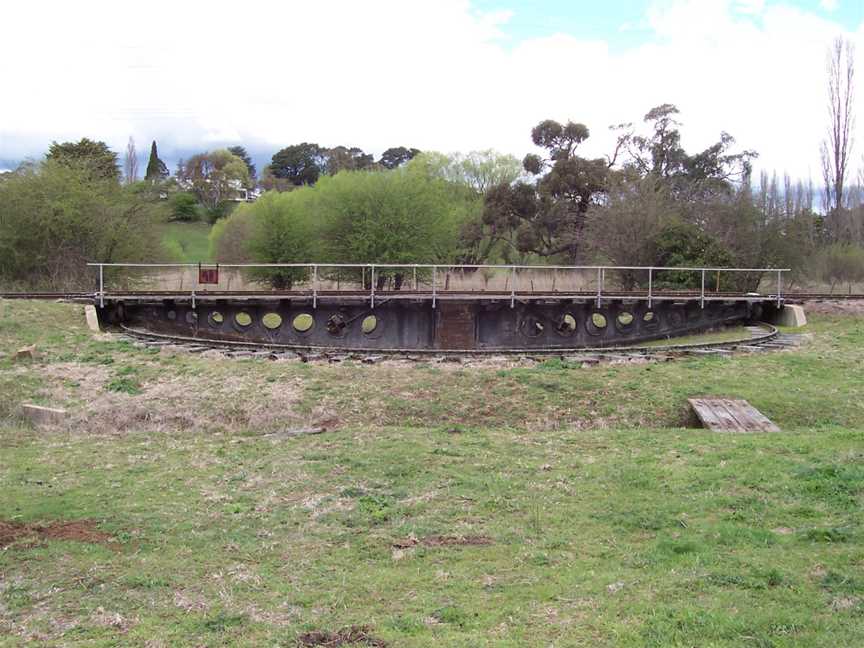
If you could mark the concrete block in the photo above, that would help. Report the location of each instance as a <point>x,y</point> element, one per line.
<point>790,315</point>
<point>43,415</point>
<point>92,318</point>
<point>25,353</point>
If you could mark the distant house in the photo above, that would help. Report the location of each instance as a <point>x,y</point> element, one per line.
<point>237,192</point>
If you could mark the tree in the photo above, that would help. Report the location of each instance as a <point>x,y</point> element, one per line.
<point>402,216</point>
<point>660,154</point>
<point>230,237</point>
<point>96,157</point>
<point>55,218</point>
<point>215,177</point>
<point>682,245</point>
<point>842,263</point>
<point>478,170</point>
<point>342,158</point>
<point>241,153</point>
<point>624,229</point>
<point>397,156</point>
<point>184,206</point>
<point>156,169</point>
<point>837,146</point>
<point>130,162</point>
<point>301,164</point>
<point>546,217</point>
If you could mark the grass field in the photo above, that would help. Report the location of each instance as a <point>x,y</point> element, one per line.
<point>186,242</point>
<point>444,505</point>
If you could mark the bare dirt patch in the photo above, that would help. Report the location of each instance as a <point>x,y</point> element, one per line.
<point>75,530</point>
<point>358,635</point>
<point>443,541</point>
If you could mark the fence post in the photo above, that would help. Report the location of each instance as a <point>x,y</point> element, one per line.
<point>779,286</point>
<point>512,286</point>
<point>599,285</point>
<point>101,288</point>
<point>434,277</point>
<point>702,296</point>
<point>650,282</point>
<point>314,286</point>
<point>372,288</point>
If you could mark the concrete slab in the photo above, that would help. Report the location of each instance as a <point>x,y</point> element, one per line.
<point>92,318</point>
<point>40,415</point>
<point>790,315</point>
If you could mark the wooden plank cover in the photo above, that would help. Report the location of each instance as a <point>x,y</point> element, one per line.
<point>731,415</point>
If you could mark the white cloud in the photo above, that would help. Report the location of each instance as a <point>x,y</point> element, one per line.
<point>403,72</point>
<point>828,5</point>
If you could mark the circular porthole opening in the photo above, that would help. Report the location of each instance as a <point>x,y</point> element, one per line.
<point>566,325</point>
<point>216,318</point>
<point>596,323</point>
<point>624,319</point>
<point>532,327</point>
<point>303,323</point>
<point>243,319</point>
<point>649,317</point>
<point>272,321</point>
<point>369,324</point>
<point>337,324</point>
<point>172,315</point>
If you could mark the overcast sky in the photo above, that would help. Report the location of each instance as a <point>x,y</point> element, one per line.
<point>445,75</point>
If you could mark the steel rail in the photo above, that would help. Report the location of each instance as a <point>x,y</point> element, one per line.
<point>770,334</point>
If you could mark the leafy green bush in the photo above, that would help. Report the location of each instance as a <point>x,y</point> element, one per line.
<point>54,218</point>
<point>684,245</point>
<point>407,215</point>
<point>184,207</point>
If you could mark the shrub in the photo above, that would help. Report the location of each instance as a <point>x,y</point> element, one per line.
<point>184,207</point>
<point>54,218</point>
<point>841,263</point>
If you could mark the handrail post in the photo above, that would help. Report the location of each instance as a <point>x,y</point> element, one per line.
<point>512,286</point>
<point>314,286</point>
<point>101,287</point>
<point>416,285</point>
<point>702,296</point>
<point>434,276</point>
<point>650,281</point>
<point>372,288</point>
<point>599,285</point>
<point>779,286</point>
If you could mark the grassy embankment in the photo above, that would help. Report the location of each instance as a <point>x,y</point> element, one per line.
<point>598,520</point>
<point>186,242</point>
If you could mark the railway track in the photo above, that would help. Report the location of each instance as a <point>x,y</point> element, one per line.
<point>760,337</point>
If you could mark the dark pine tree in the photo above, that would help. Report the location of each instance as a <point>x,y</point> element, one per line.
<point>156,169</point>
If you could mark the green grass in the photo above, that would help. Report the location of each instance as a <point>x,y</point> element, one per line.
<point>639,533</point>
<point>186,242</point>
<point>728,334</point>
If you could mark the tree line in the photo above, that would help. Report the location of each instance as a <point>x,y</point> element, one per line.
<point>649,201</point>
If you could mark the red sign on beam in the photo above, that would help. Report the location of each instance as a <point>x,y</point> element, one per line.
<point>208,275</point>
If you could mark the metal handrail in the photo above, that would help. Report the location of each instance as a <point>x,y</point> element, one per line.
<point>513,270</point>
<point>432,265</point>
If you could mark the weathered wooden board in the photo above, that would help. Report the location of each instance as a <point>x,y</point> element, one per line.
<point>455,326</point>
<point>731,415</point>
